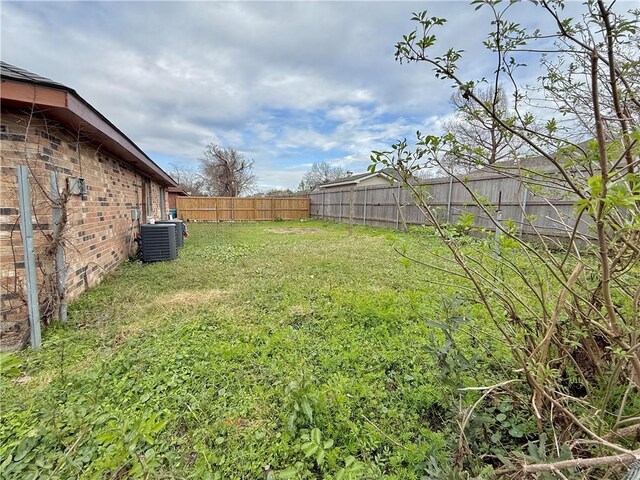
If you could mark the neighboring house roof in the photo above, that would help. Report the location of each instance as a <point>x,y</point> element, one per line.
<point>356,179</point>
<point>536,164</point>
<point>177,191</point>
<point>27,90</point>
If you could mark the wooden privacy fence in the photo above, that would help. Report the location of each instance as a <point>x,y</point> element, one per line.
<point>229,209</point>
<point>546,212</point>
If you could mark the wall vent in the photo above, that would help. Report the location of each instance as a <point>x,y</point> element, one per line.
<point>158,242</point>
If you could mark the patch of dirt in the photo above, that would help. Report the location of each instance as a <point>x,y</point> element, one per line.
<point>23,379</point>
<point>190,297</point>
<point>236,422</point>
<point>292,230</point>
<point>126,333</point>
<point>177,299</point>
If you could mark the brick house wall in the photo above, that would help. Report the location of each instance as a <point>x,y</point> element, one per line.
<point>100,230</point>
<point>172,201</point>
<point>174,193</point>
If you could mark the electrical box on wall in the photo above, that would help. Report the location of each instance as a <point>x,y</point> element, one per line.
<point>135,214</point>
<point>77,186</point>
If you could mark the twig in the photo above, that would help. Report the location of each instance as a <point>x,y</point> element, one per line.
<point>395,442</point>
<point>623,458</point>
<point>626,432</point>
<point>491,387</point>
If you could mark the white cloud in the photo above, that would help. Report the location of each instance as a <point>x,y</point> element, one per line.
<point>288,83</point>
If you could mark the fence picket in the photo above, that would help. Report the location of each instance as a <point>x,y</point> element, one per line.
<point>216,209</point>
<point>547,212</point>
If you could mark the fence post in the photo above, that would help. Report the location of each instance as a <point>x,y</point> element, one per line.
<point>26,231</point>
<point>351,211</point>
<point>364,214</point>
<point>61,272</point>
<point>523,213</point>
<point>496,238</point>
<point>449,199</point>
<point>323,192</point>
<point>398,212</point>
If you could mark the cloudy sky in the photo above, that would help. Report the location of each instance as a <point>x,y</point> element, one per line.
<point>286,83</point>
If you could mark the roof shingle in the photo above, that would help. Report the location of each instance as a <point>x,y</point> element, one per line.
<point>15,73</point>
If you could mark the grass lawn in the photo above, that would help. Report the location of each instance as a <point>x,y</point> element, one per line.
<point>267,350</point>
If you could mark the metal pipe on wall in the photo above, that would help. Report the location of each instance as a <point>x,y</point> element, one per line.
<point>26,231</point>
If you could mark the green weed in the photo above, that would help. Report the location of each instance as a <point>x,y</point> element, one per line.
<point>255,354</point>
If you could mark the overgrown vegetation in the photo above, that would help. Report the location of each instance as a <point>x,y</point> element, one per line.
<point>265,352</point>
<point>572,336</point>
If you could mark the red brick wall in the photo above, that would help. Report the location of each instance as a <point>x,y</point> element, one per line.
<point>172,200</point>
<point>99,232</point>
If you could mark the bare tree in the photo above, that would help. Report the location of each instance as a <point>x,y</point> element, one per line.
<point>226,172</point>
<point>483,141</point>
<point>320,172</point>
<point>189,179</point>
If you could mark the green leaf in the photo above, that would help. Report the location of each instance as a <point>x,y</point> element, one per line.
<point>291,422</point>
<point>309,448</point>
<point>106,437</point>
<point>290,472</point>
<point>431,323</point>
<point>316,436</point>
<point>306,409</point>
<point>24,448</point>
<point>10,365</point>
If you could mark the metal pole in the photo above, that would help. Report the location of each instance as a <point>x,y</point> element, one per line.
<point>26,230</point>
<point>61,272</point>
<point>449,199</point>
<point>364,215</point>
